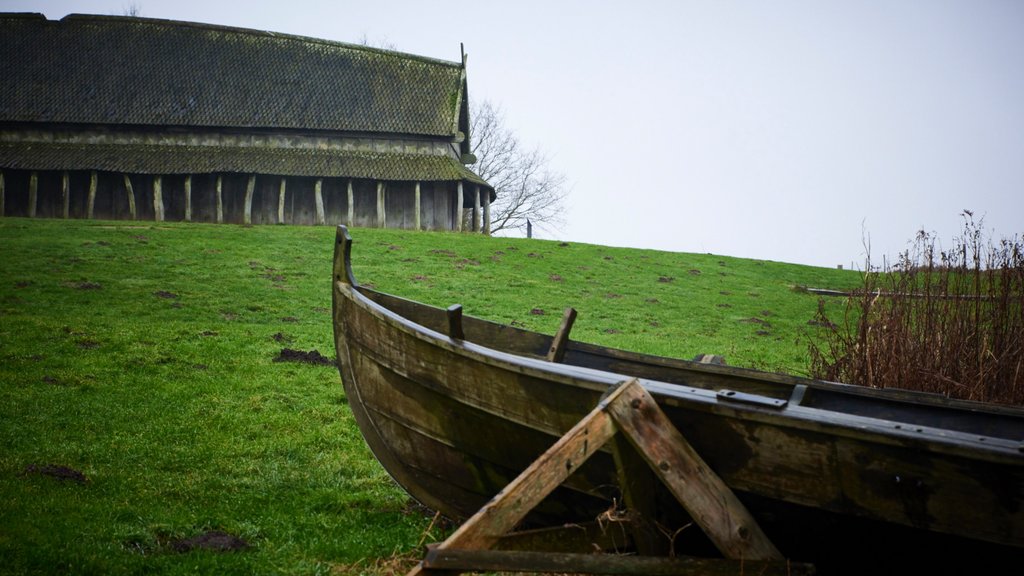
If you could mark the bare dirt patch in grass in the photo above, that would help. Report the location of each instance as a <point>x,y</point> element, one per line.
<point>56,471</point>
<point>310,357</point>
<point>210,540</point>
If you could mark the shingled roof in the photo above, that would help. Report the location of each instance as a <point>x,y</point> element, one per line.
<point>87,69</point>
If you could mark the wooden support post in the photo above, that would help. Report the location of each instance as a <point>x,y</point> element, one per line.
<point>250,189</point>
<point>381,216</point>
<point>476,208</point>
<point>351,205</point>
<point>130,193</point>
<point>280,200</point>
<point>458,209</point>
<point>158,198</point>
<point>3,195</point>
<point>558,345</point>
<point>318,193</point>
<point>90,200</point>
<point>454,313</point>
<point>65,194</point>
<point>33,193</point>
<point>220,198</point>
<point>188,198</point>
<point>487,213</point>
<point>417,206</point>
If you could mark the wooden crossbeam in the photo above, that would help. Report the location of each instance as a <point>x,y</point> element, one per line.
<point>558,345</point>
<point>649,433</point>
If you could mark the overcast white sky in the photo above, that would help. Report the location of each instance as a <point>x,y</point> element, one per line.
<point>782,130</point>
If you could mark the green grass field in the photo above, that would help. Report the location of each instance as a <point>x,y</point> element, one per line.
<point>142,356</point>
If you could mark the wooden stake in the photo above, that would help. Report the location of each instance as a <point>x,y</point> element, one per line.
<point>250,189</point>
<point>381,216</point>
<point>33,193</point>
<point>65,194</point>
<point>476,208</point>
<point>454,313</point>
<point>319,194</point>
<point>417,207</point>
<point>130,192</point>
<point>158,198</point>
<point>280,200</point>
<point>351,205</point>
<point>558,345</point>
<point>458,209</point>
<point>220,199</point>
<point>90,201</point>
<point>188,198</point>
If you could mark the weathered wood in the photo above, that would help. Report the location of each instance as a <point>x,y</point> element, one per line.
<point>381,216</point>
<point>487,214</point>
<point>318,195</point>
<point>713,506</point>
<point>130,193</point>
<point>585,537</point>
<point>158,198</point>
<point>455,322</point>
<point>457,560</point>
<point>476,208</point>
<point>416,208</point>
<point>639,487</point>
<point>33,193</point>
<point>3,195</point>
<point>90,201</point>
<point>188,198</point>
<point>65,195</point>
<point>280,200</point>
<point>220,198</point>
<point>250,189</point>
<point>458,208</point>
<point>351,205</point>
<point>558,345</point>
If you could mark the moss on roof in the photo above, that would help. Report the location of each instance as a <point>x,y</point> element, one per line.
<point>88,69</point>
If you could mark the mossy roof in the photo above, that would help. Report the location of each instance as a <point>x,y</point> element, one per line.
<point>114,70</point>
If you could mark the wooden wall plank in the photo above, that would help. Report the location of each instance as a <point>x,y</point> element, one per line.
<point>280,200</point>
<point>417,207</point>
<point>250,189</point>
<point>487,214</point>
<point>33,193</point>
<point>158,198</point>
<point>188,198</point>
<point>458,208</point>
<point>220,199</point>
<point>65,194</point>
<point>90,201</point>
<point>130,193</point>
<point>351,205</point>
<point>381,216</point>
<point>318,193</point>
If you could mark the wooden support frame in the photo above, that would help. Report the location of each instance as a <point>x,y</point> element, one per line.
<point>487,213</point>
<point>188,198</point>
<point>129,191</point>
<point>416,208</point>
<point>65,194</point>
<point>381,216</point>
<point>90,201</point>
<point>647,431</point>
<point>220,198</point>
<point>558,345</point>
<point>458,208</point>
<point>250,189</point>
<point>281,190</point>
<point>454,313</point>
<point>318,196</point>
<point>351,205</point>
<point>158,198</point>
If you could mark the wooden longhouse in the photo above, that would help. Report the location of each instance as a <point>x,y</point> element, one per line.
<point>143,119</point>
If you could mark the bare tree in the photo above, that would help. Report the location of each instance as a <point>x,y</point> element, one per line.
<point>526,188</point>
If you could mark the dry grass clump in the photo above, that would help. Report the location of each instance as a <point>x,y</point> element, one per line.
<point>950,322</point>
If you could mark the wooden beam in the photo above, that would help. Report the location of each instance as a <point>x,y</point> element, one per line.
<point>458,209</point>
<point>3,195</point>
<point>220,198</point>
<point>65,194</point>
<point>417,207</point>
<point>130,193</point>
<point>188,198</point>
<point>280,200</point>
<point>558,344</point>
<point>90,201</point>
<point>351,205</point>
<point>476,208</point>
<point>381,216</point>
<point>33,193</point>
<point>318,193</point>
<point>158,198</point>
<point>487,214</point>
<point>250,189</point>
<point>713,506</point>
<point>454,313</point>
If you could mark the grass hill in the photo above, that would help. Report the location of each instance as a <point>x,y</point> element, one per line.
<point>143,413</point>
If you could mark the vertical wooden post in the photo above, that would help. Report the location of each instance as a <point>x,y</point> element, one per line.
<point>351,205</point>
<point>220,199</point>
<point>158,198</point>
<point>318,193</point>
<point>90,201</point>
<point>250,188</point>
<point>280,200</point>
<point>487,213</point>
<point>65,194</point>
<point>458,209</point>
<point>417,208</point>
<point>3,194</point>
<point>33,193</point>
<point>130,192</point>
<point>188,198</point>
<point>381,217</point>
<point>476,208</point>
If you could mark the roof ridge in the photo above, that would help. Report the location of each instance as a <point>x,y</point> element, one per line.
<point>248,31</point>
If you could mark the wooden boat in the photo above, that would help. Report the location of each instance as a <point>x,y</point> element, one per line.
<point>849,478</point>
